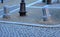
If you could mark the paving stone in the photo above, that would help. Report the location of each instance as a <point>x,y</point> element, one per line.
<point>15,30</point>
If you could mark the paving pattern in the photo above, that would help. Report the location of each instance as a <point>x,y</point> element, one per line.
<point>22,30</point>
<point>15,30</point>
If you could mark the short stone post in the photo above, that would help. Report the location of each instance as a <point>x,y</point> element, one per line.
<point>6,12</point>
<point>22,11</point>
<point>46,14</point>
<point>44,1</point>
<point>49,1</point>
<point>1,1</point>
<point>58,1</point>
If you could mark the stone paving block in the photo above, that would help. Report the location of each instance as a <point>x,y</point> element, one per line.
<point>15,30</point>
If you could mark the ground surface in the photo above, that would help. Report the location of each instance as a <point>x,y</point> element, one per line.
<point>35,14</point>
<point>14,2</point>
<point>15,28</point>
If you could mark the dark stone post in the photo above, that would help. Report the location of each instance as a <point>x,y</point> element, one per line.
<point>22,11</point>
<point>1,1</point>
<point>43,1</point>
<point>48,1</point>
<point>58,1</point>
<point>44,14</point>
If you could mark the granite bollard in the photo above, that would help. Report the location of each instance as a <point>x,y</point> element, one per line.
<point>49,1</point>
<point>46,14</point>
<point>1,1</point>
<point>44,1</point>
<point>6,12</point>
<point>22,11</point>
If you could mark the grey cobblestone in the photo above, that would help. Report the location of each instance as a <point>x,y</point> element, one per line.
<point>10,30</point>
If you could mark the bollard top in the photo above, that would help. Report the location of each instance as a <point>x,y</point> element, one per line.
<point>22,0</point>
<point>5,6</point>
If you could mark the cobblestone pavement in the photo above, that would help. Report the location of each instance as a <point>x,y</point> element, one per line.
<point>33,15</point>
<point>15,30</point>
